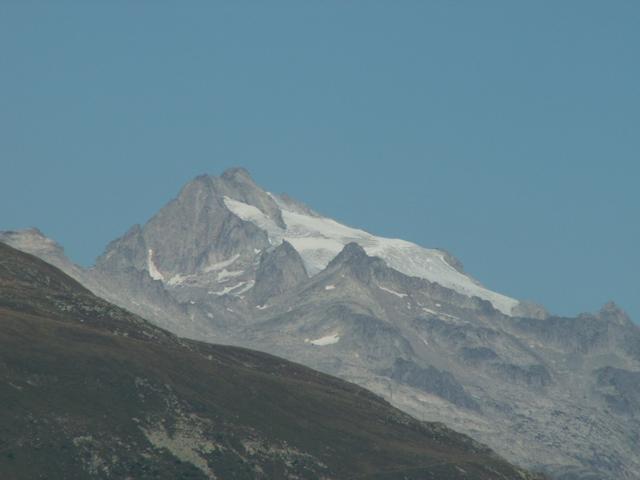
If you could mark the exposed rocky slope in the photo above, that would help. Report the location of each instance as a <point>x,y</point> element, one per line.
<point>227,262</point>
<point>91,391</point>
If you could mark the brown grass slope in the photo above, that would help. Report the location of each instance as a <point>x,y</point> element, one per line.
<point>88,390</point>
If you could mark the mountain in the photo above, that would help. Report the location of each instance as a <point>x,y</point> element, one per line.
<point>228,262</point>
<point>91,391</point>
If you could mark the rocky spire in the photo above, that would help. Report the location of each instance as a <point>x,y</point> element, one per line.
<point>281,269</point>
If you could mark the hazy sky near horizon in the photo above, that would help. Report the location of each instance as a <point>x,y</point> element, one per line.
<point>505,132</point>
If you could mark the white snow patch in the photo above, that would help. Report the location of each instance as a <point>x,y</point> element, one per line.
<point>225,274</point>
<point>440,314</point>
<point>392,292</point>
<point>249,213</point>
<point>248,286</point>
<point>177,280</point>
<point>330,287</point>
<point>151,267</point>
<point>327,340</point>
<point>210,315</point>
<point>226,290</point>
<point>220,265</point>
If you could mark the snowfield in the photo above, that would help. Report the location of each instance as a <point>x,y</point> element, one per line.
<point>326,340</point>
<point>151,267</point>
<point>319,239</point>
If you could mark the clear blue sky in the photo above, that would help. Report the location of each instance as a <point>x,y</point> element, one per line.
<point>506,132</point>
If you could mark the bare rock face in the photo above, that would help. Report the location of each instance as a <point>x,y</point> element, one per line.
<point>530,310</point>
<point>434,381</point>
<point>230,263</point>
<point>188,235</point>
<point>620,389</point>
<point>280,270</point>
<point>610,312</point>
<point>527,375</point>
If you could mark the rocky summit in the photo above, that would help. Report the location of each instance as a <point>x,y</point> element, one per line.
<point>228,262</point>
